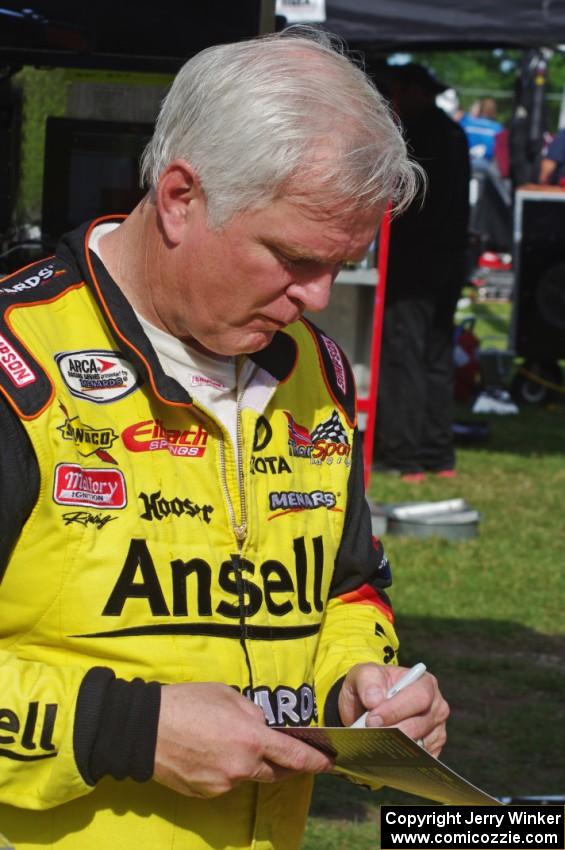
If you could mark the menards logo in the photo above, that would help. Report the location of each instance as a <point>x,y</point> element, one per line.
<point>88,440</point>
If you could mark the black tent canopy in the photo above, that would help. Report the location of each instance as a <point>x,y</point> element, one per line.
<point>411,24</point>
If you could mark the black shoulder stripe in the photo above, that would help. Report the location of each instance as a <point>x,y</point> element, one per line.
<point>337,371</point>
<point>34,282</point>
<point>22,380</point>
<point>278,358</point>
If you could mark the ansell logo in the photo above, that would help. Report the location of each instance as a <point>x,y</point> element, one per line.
<point>14,365</point>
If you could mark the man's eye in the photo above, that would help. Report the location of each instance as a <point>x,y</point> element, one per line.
<point>289,261</point>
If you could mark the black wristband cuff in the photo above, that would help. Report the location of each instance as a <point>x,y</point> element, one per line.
<point>331,710</point>
<point>116,727</point>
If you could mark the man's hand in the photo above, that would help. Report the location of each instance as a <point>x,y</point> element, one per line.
<point>419,710</point>
<point>210,739</point>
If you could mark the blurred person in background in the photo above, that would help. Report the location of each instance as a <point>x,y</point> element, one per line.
<point>481,130</point>
<point>427,264</point>
<point>552,166</point>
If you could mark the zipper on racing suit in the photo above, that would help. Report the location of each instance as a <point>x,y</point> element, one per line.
<point>240,531</point>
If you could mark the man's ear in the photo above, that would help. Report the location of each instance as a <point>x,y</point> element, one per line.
<point>177,190</point>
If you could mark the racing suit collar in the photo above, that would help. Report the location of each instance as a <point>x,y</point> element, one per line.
<point>278,358</point>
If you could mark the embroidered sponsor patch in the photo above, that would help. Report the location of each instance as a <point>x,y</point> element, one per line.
<point>13,364</point>
<point>97,375</point>
<point>152,436</point>
<point>41,276</point>
<point>285,706</point>
<point>265,465</point>
<point>203,381</point>
<point>326,443</point>
<point>337,362</point>
<point>96,488</point>
<point>86,518</point>
<point>155,506</point>
<point>88,440</point>
<point>292,500</point>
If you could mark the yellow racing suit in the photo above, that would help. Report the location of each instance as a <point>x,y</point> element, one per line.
<point>151,555</point>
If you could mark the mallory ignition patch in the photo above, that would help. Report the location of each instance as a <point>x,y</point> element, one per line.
<point>95,488</point>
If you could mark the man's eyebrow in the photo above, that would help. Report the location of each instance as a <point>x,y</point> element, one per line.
<point>294,253</point>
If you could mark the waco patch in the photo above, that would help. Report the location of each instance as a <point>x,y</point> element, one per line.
<point>97,375</point>
<point>88,440</point>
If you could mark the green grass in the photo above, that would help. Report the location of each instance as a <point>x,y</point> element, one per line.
<point>487,617</point>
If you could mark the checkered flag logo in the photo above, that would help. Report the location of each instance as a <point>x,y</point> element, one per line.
<point>331,430</point>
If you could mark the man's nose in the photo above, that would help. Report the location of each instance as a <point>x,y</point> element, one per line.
<point>314,292</point>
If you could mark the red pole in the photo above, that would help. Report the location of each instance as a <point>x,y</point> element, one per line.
<point>370,404</point>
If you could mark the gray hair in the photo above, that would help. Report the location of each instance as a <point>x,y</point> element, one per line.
<point>285,114</point>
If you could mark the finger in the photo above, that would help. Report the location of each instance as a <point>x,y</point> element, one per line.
<point>270,772</point>
<point>429,727</point>
<point>434,743</point>
<point>419,699</point>
<point>287,752</point>
<point>364,688</point>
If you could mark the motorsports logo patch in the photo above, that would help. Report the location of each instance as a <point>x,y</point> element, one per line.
<point>88,440</point>
<point>97,375</point>
<point>95,488</point>
<point>41,276</point>
<point>326,443</point>
<point>152,436</point>
<point>288,501</point>
<point>14,365</point>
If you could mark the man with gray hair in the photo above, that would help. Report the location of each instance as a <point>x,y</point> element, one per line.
<point>186,558</point>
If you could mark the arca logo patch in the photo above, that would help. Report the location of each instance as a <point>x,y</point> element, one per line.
<point>152,436</point>
<point>97,375</point>
<point>95,488</point>
<point>326,443</point>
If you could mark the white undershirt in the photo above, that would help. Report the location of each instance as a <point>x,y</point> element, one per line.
<point>210,379</point>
